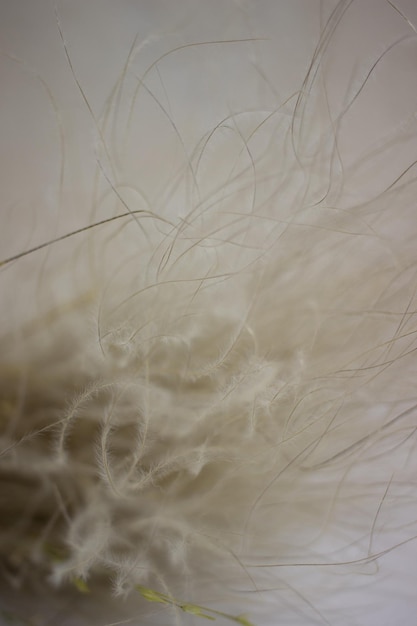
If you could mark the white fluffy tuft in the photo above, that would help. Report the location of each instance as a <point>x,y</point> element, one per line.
<point>211,392</point>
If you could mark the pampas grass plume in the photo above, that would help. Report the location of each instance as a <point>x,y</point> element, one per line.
<point>208,284</point>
